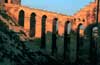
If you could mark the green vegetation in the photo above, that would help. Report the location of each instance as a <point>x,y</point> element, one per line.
<point>13,51</point>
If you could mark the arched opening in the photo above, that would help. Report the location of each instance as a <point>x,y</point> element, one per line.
<point>55,25</point>
<point>67,30</point>
<point>21,18</point>
<point>43,23</point>
<point>43,28</point>
<point>79,43</point>
<point>6,1</point>
<point>32,24</point>
<point>54,35</point>
<point>81,30</point>
<point>79,19</point>
<point>83,20</point>
<point>68,27</point>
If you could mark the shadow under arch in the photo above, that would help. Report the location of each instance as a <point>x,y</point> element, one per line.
<point>43,34</point>
<point>32,25</point>
<point>21,18</point>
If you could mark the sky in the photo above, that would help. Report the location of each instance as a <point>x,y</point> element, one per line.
<point>67,7</point>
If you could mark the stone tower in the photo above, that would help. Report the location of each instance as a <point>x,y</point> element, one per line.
<point>18,2</point>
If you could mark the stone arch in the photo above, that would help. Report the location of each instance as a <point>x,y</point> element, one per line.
<point>43,28</point>
<point>68,27</point>
<point>67,41</point>
<point>44,17</point>
<point>80,30</point>
<point>79,43</point>
<point>32,24</point>
<point>21,18</point>
<point>54,35</point>
<point>55,25</point>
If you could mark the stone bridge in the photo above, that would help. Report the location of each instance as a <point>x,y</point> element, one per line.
<point>31,18</point>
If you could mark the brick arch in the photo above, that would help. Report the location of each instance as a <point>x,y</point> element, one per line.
<point>68,26</point>
<point>55,25</point>
<point>79,42</point>
<point>80,29</point>
<point>66,40</point>
<point>79,25</point>
<point>43,21</point>
<point>44,16</point>
<point>32,24</point>
<point>43,28</point>
<point>21,18</point>
<point>54,35</point>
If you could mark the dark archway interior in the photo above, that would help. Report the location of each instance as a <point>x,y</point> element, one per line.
<point>54,36</point>
<point>66,41</point>
<point>43,22</point>
<point>32,24</point>
<point>54,30</point>
<point>79,43</point>
<point>21,18</point>
<point>68,27</point>
<point>6,1</point>
<point>43,28</point>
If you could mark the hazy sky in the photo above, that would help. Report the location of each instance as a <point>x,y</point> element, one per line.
<point>67,7</point>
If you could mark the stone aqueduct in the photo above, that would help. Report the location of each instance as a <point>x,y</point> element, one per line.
<point>31,19</point>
